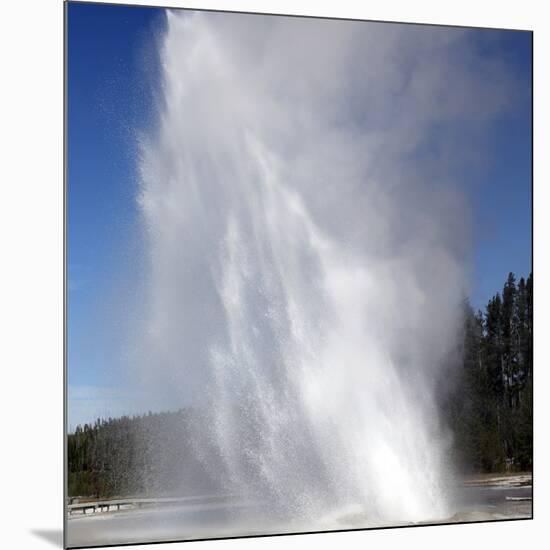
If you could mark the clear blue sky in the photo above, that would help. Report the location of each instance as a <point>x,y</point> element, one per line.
<point>111,64</point>
<point>109,99</point>
<point>503,204</point>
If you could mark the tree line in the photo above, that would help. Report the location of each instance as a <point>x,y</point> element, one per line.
<point>490,408</point>
<point>139,455</point>
<point>489,411</point>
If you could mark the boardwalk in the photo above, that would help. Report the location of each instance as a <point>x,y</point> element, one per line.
<point>130,503</point>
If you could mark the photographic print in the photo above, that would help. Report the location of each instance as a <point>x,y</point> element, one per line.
<point>299,291</point>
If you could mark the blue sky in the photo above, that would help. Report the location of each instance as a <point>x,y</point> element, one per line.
<point>111,71</point>
<point>109,100</point>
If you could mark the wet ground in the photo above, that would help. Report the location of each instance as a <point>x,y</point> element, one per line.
<point>486,498</point>
<point>495,497</point>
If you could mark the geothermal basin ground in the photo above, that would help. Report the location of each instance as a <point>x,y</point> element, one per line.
<point>480,498</point>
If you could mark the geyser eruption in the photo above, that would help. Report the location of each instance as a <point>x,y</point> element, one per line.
<point>306,250</point>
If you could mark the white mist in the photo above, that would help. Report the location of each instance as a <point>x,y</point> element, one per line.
<point>308,250</point>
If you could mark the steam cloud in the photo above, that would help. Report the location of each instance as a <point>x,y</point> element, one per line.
<point>309,248</point>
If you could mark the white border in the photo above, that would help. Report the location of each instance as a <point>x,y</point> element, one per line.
<point>31,272</point>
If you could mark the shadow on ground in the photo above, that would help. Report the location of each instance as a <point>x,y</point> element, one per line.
<point>53,536</point>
